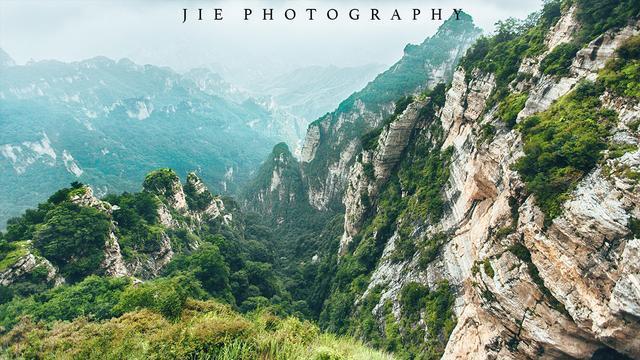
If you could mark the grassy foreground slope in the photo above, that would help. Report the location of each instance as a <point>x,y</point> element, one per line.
<point>204,330</point>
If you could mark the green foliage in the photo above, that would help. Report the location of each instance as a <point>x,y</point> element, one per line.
<point>423,180</point>
<point>73,238</point>
<point>430,248</point>
<point>509,108</point>
<point>502,232</point>
<point>597,16</point>
<point>94,297</point>
<point>369,140</point>
<point>10,252</point>
<point>161,182</point>
<point>487,133</point>
<point>206,330</point>
<point>369,171</point>
<point>25,226</point>
<point>622,74</point>
<point>634,227</point>
<point>209,267</point>
<point>436,309</point>
<point>558,61</point>
<point>513,41</point>
<point>488,269</point>
<point>562,144</point>
<point>196,200</point>
<point>617,150</point>
<point>167,296</point>
<point>138,229</point>
<point>409,74</point>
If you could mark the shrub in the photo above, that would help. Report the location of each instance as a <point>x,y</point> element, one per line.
<point>166,296</point>
<point>73,238</point>
<point>488,269</point>
<point>622,75</point>
<point>510,107</point>
<point>562,144</point>
<point>558,61</point>
<point>161,182</point>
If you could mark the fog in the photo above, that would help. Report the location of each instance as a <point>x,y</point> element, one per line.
<point>153,32</point>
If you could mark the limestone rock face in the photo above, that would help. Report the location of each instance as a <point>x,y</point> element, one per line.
<point>86,198</point>
<point>27,264</point>
<point>580,290</point>
<point>584,66</point>
<point>150,266</point>
<point>311,142</point>
<point>177,199</point>
<point>392,142</point>
<point>332,142</point>
<point>113,263</point>
<point>213,209</point>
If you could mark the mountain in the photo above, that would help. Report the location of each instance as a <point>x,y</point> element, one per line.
<point>302,94</point>
<point>169,259</point>
<point>332,140</point>
<point>108,123</point>
<point>312,91</point>
<point>5,59</point>
<point>495,216</point>
<point>490,214</point>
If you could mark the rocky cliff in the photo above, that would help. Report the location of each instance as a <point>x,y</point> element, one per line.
<point>530,275</point>
<point>332,142</point>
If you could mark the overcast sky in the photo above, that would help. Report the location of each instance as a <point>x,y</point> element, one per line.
<point>152,31</point>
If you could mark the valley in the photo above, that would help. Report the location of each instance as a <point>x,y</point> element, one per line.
<point>478,199</point>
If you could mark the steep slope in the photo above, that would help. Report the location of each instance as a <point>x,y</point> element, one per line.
<point>167,230</point>
<point>207,329</point>
<point>332,141</point>
<point>500,220</point>
<point>108,123</point>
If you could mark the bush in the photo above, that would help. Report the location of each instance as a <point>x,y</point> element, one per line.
<point>73,238</point>
<point>161,182</point>
<point>558,61</point>
<point>510,107</point>
<point>166,296</point>
<point>209,267</point>
<point>562,144</point>
<point>196,200</point>
<point>94,297</point>
<point>622,75</point>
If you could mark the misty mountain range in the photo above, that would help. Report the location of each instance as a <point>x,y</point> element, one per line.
<point>107,123</point>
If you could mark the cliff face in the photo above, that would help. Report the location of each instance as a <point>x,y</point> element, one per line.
<point>332,142</point>
<point>277,188</point>
<point>526,285</point>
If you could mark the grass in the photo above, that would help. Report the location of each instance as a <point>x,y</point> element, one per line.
<point>10,252</point>
<point>205,330</point>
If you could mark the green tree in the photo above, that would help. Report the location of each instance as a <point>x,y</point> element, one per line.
<point>73,238</point>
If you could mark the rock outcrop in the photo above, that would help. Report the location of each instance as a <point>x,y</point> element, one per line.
<point>113,263</point>
<point>27,264</point>
<point>381,161</point>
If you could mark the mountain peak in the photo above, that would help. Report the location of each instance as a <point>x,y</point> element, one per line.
<point>281,149</point>
<point>5,59</point>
